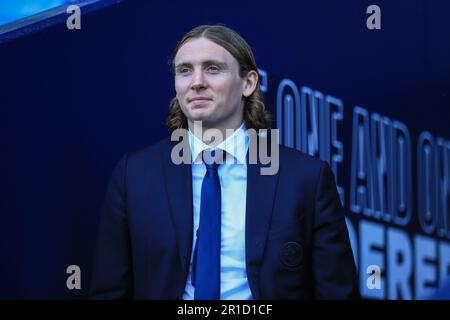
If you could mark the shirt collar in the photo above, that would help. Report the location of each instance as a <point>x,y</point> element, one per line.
<point>235,145</point>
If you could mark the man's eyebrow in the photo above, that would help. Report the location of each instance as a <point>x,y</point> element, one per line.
<point>182,64</point>
<point>206,62</point>
<point>215,62</point>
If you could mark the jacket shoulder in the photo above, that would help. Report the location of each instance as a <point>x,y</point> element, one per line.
<point>290,156</point>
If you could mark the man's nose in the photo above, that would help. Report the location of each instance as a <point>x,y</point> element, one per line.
<point>198,81</point>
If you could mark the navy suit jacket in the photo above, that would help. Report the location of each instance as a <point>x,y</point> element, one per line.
<point>297,244</point>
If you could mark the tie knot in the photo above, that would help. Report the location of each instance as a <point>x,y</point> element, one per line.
<point>212,159</point>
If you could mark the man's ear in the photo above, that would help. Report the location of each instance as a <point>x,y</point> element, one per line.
<point>250,83</point>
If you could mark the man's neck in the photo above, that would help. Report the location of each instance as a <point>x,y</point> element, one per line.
<point>212,136</point>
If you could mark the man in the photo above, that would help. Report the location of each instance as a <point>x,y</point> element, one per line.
<point>221,230</point>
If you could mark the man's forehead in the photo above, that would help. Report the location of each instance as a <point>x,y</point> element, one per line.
<point>199,51</point>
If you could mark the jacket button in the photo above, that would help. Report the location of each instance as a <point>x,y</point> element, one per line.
<point>292,254</point>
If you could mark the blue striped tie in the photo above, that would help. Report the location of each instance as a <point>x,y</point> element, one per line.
<point>206,262</point>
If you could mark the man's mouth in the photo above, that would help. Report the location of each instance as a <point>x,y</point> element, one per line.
<point>196,99</point>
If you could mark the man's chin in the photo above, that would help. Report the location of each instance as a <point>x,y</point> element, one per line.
<point>203,117</point>
<point>204,121</point>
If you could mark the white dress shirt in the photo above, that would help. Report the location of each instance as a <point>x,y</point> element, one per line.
<point>233,182</point>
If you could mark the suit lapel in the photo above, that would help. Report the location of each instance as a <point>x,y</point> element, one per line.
<point>179,191</point>
<point>260,198</point>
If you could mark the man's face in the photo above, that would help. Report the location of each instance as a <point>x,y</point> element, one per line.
<point>208,84</point>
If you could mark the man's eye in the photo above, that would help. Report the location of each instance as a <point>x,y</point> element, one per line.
<point>184,71</point>
<point>213,69</point>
